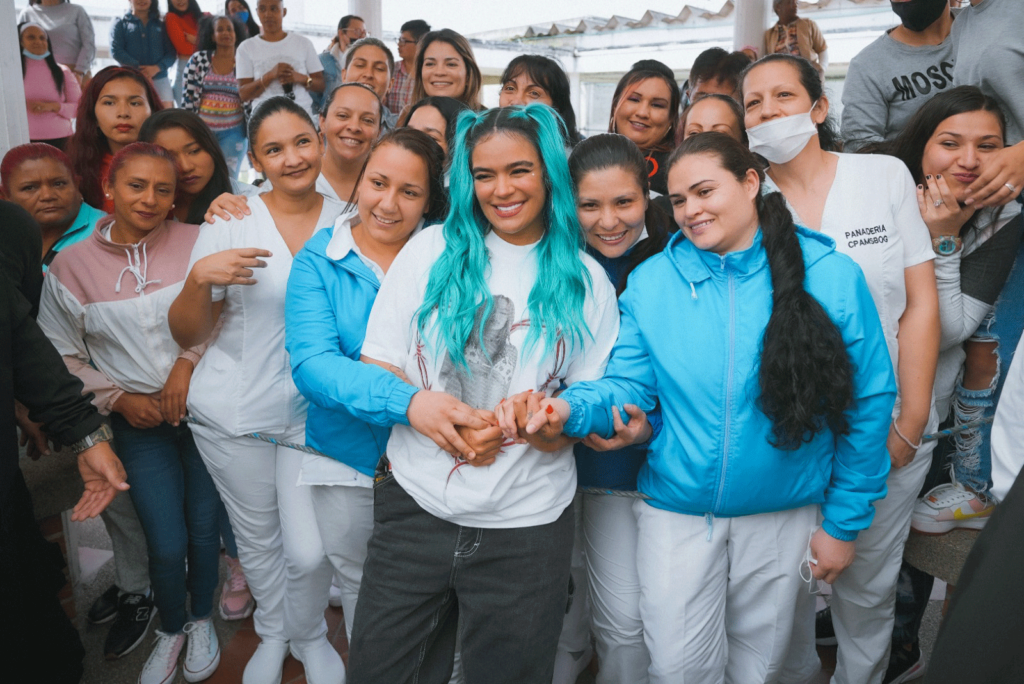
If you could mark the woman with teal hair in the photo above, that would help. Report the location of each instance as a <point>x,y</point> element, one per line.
<point>499,300</point>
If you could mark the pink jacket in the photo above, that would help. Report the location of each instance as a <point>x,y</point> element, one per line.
<point>39,85</point>
<point>104,307</point>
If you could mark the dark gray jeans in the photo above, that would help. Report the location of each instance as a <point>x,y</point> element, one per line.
<point>422,574</point>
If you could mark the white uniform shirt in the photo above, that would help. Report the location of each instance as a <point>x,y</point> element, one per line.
<point>523,487</point>
<point>244,382</point>
<point>871,212</point>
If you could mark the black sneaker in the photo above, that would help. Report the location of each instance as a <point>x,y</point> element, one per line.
<point>134,613</point>
<point>105,607</point>
<point>824,632</point>
<point>904,665</point>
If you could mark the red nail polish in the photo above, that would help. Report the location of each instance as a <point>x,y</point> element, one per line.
<point>550,409</point>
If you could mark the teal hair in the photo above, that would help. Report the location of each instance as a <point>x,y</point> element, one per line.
<point>458,279</point>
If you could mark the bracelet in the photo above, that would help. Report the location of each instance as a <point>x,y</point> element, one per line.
<point>913,446</point>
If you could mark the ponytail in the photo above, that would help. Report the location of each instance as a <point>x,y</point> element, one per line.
<point>805,373</point>
<point>805,376</point>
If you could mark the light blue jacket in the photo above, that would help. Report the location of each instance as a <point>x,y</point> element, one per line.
<point>690,336</point>
<point>352,405</point>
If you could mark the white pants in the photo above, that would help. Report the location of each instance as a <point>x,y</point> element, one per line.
<point>719,609</point>
<point>575,636</point>
<point>609,541</point>
<point>344,517</point>
<point>276,531</point>
<point>864,596</point>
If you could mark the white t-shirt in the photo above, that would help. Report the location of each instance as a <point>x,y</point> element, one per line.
<point>244,381</point>
<point>523,487</point>
<point>256,56</point>
<point>871,212</point>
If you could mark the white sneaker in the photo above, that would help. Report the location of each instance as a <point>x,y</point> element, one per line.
<point>202,656</point>
<point>322,663</point>
<point>948,507</point>
<point>266,664</point>
<point>162,664</point>
<point>334,598</point>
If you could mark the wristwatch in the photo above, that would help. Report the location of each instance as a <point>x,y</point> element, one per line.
<point>102,434</point>
<point>945,245</point>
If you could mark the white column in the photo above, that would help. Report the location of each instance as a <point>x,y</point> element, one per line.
<point>751,18</point>
<point>13,115</point>
<point>370,11</point>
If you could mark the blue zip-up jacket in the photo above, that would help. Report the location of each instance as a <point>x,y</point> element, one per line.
<point>326,309</point>
<point>617,469</point>
<point>135,44</point>
<point>690,337</point>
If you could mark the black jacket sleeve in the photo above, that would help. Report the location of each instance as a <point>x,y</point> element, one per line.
<point>32,372</point>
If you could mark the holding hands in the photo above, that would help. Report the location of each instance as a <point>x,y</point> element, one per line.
<point>534,419</point>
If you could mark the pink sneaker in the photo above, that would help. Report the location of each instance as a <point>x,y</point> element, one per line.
<point>236,603</point>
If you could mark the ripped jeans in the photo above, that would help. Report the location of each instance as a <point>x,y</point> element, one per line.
<point>971,460</point>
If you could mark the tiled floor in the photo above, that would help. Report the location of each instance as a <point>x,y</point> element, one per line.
<point>235,653</point>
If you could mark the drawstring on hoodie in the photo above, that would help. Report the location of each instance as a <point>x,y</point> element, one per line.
<point>709,518</point>
<point>133,268</point>
<point>693,291</point>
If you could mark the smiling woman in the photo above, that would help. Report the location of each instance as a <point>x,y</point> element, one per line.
<point>331,289</point>
<point>446,66</point>
<point>645,108</point>
<point>502,300</point>
<point>278,542</point>
<point>105,300</point>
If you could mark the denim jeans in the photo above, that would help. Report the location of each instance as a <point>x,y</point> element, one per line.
<point>972,463</point>
<point>233,144</point>
<point>914,586</point>
<point>422,574</point>
<point>177,504</point>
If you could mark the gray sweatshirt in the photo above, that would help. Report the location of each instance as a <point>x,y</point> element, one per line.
<point>70,30</point>
<point>989,43</point>
<point>887,83</point>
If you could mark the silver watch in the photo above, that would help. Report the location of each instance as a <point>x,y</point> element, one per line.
<point>102,434</point>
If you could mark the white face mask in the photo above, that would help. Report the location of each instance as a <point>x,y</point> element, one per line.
<point>780,140</point>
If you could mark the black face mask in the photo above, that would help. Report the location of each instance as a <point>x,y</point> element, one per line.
<point>917,15</point>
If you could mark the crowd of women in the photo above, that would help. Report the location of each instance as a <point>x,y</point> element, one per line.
<point>521,395</point>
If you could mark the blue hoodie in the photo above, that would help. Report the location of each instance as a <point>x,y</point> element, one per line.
<point>326,309</point>
<point>690,338</point>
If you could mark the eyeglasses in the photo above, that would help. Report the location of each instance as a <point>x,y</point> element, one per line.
<point>403,41</point>
<point>355,33</point>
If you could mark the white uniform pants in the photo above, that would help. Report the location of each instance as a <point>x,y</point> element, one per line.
<point>575,636</point>
<point>864,596</point>
<point>276,531</point>
<point>344,517</point>
<point>719,609</point>
<point>609,541</point>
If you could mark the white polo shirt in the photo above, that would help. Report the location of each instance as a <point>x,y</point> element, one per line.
<point>244,381</point>
<point>871,212</point>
